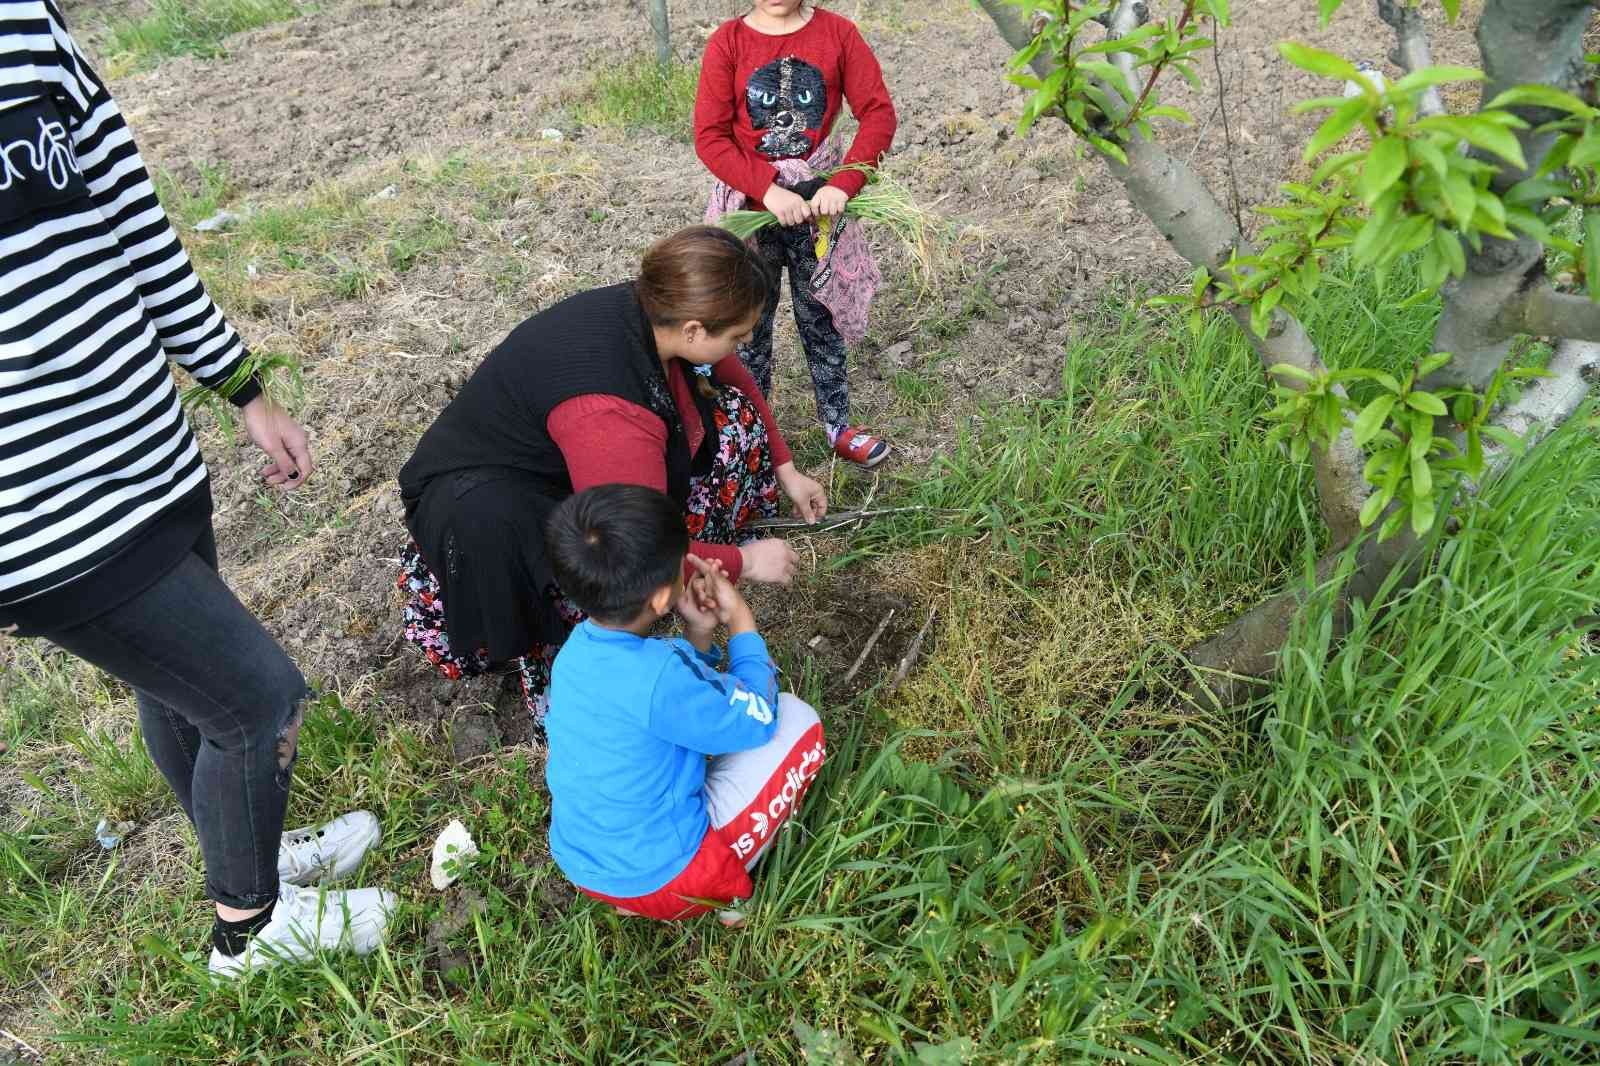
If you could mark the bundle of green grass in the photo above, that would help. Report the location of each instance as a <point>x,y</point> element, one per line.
<point>881,203</point>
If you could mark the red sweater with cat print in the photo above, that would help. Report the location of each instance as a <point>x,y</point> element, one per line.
<point>764,97</point>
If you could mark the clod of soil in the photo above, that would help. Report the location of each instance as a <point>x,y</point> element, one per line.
<point>473,736</point>
<point>461,905</point>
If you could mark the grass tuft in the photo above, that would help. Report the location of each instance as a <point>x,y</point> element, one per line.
<point>639,94</point>
<point>191,28</point>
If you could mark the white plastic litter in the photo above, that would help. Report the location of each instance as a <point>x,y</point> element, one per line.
<point>552,134</point>
<point>219,221</point>
<point>110,835</point>
<point>388,192</point>
<point>455,843</point>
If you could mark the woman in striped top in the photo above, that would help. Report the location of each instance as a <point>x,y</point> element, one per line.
<point>106,546</point>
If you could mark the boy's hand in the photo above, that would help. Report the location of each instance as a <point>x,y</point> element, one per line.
<point>697,608</point>
<point>730,607</point>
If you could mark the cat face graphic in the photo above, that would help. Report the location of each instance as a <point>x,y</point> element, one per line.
<point>786,98</point>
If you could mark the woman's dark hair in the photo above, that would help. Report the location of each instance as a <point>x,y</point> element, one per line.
<point>702,274</point>
<point>611,547</point>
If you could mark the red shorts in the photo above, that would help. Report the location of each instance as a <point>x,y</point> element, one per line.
<point>743,826</point>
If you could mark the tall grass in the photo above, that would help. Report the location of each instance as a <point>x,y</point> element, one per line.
<point>192,27</point>
<point>1392,857</point>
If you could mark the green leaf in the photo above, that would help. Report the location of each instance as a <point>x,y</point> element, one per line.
<point>1289,370</point>
<point>1421,478</point>
<point>1316,61</point>
<point>1432,363</point>
<point>1428,77</point>
<point>1452,8</point>
<point>1427,403</point>
<point>1392,524</point>
<point>1325,10</point>
<point>1474,453</point>
<point>1506,439</point>
<point>1175,113</point>
<point>1539,96</point>
<point>1449,245</point>
<point>1431,155</point>
<point>1371,510</point>
<point>1422,514</point>
<point>1108,148</point>
<point>1385,163</point>
<point>1536,191</point>
<point>1333,164</point>
<point>1299,448</point>
<point>1371,239</point>
<point>1334,128</point>
<point>1459,194</point>
<point>1489,136</point>
<point>1421,434</point>
<point>1372,418</point>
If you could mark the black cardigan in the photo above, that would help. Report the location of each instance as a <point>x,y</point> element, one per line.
<point>486,475</point>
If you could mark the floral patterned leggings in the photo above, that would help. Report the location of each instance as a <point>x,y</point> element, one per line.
<point>740,486</point>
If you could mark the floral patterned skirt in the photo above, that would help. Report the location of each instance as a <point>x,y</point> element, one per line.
<point>740,486</point>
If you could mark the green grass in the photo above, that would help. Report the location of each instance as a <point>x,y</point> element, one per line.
<point>1033,852</point>
<point>192,28</point>
<point>639,94</point>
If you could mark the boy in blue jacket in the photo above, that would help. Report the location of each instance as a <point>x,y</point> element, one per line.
<point>668,778</point>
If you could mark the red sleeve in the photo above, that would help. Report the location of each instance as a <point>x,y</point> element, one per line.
<point>731,371</point>
<point>606,440</point>
<point>870,104</point>
<point>716,107</point>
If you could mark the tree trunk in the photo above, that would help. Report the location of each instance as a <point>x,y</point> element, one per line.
<point>1521,41</point>
<point>663,31</point>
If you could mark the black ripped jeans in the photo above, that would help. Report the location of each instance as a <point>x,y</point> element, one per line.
<point>220,704</point>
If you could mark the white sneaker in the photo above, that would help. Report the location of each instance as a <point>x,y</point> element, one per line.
<point>327,852</point>
<point>307,921</point>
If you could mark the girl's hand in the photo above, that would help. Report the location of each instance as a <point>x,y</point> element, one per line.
<point>274,432</point>
<point>769,561</point>
<point>791,208</point>
<point>830,201</point>
<point>810,502</point>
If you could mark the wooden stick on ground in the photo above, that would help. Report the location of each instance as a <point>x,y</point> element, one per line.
<point>833,521</point>
<point>910,658</point>
<point>866,649</point>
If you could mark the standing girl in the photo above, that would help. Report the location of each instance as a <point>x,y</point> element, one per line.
<point>771,86</point>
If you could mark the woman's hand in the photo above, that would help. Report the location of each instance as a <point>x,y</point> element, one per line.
<point>721,598</point>
<point>830,201</point>
<point>810,502</point>
<point>791,208</point>
<point>769,561</point>
<point>274,432</point>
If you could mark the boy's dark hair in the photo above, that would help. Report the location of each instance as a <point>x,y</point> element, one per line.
<point>613,545</point>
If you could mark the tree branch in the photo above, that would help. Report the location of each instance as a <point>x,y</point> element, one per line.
<point>1411,51</point>
<point>1016,34</point>
<point>1184,212</point>
<point>1549,401</point>
<point>1544,312</point>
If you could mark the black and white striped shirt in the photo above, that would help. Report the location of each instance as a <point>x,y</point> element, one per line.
<point>96,296</point>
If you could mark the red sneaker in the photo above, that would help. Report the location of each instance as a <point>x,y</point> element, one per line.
<point>861,447</point>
